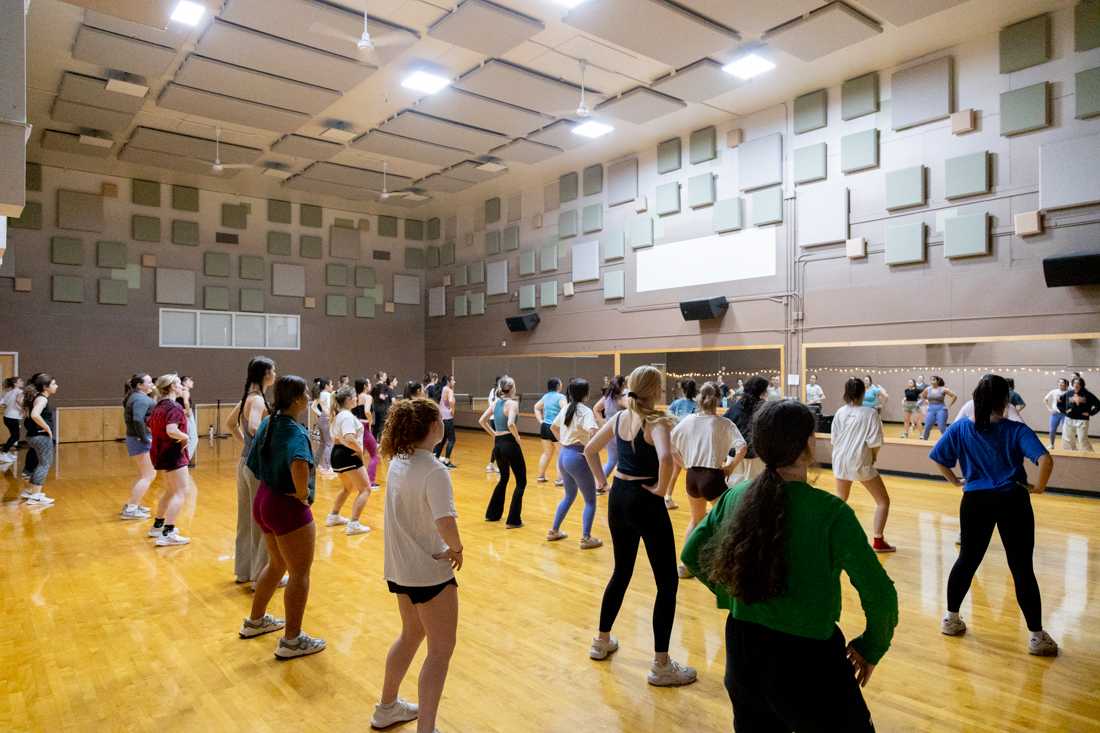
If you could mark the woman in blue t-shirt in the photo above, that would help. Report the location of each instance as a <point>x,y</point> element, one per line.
<point>546,410</point>
<point>991,450</point>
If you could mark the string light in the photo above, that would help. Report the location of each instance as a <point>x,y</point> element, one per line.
<point>927,370</point>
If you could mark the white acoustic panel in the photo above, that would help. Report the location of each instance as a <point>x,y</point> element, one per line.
<point>1067,173</point>
<point>903,12</point>
<point>92,118</point>
<point>300,146</point>
<point>496,278</point>
<point>754,253</point>
<point>640,105</point>
<point>173,35</point>
<point>397,146</point>
<point>230,109</point>
<point>525,151</point>
<point>443,184</point>
<point>93,91</point>
<point>443,132</point>
<point>352,193</point>
<point>67,142</point>
<point>254,86</point>
<point>485,27</point>
<point>406,289</point>
<point>437,302</point>
<point>821,214</point>
<point>174,143</point>
<point>559,134</point>
<point>760,162</point>
<point>922,93</point>
<point>115,51</point>
<point>822,32</point>
<point>470,171</point>
<point>157,159</point>
<point>751,16</point>
<point>586,261</point>
<point>525,88</point>
<point>176,287</point>
<point>697,82</point>
<point>289,280</point>
<point>622,182</point>
<point>489,114</point>
<point>351,176</point>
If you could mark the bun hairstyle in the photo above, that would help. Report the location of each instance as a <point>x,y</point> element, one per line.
<point>937,381</point>
<point>132,385</point>
<point>343,396</point>
<point>413,390</point>
<point>258,369</point>
<point>361,385</point>
<point>289,388</point>
<point>576,392</point>
<point>643,390</point>
<point>505,386</point>
<point>615,387</point>
<point>408,423</point>
<point>36,385</point>
<point>687,386</point>
<point>854,389</point>
<point>990,396</point>
<point>552,384</point>
<point>165,383</point>
<point>709,397</point>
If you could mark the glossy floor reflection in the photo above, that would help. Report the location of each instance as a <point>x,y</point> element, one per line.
<point>106,633</point>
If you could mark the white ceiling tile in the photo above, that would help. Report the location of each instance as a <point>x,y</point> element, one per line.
<point>442,132</point>
<point>525,151</point>
<point>560,66</point>
<point>604,56</point>
<point>352,193</point>
<point>177,144</point>
<point>92,90</point>
<point>220,107</point>
<point>829,29</point>
<point>524,87</point>
<point>443,184</point>
<point>397,146</point>
<point>489,114</point>
<point>468,171</point>
<point>753,17</point>
<point>485,27</point>
<point>174,35</point>
<point>67,142</point>
<point>300,146</point>
<point>903,12</point>
<point>113,51</point>
<point>92,118</point>
<point>640,105</point>
<point>255,86</point>
<point>698,82</point>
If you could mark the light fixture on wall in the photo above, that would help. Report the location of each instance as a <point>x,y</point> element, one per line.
<point>188,13</point>
<point>592,129</point>
<point>425,81</point>
<point>749,65</point>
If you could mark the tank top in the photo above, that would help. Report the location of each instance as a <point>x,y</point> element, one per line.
<point>610,407</point>
<point>912,395</point>
<point>32,427</point>
<point>551,406</point>
<point>500,420</point>
<point>444,408</point>
<point>935,395</point>
<point>359,412</point>
<point>246,439</point>
<point>636,457</point>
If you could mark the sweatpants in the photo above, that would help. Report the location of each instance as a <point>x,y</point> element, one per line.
<point>1075,435</point>
<point>509,458</point>
<point>779,682</point>
<point>1009,510</point>
<point>12,424</point>
<point>937,414</point>
<point>42,447</point>
<point>574,472</point>
<point>1056,420</point>
<point>322,453</point>
<point>250,550</point>
<point>636,515</point>
<point>448,439</point>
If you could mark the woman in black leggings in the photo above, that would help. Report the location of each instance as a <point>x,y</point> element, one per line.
<point>499,420</point>
<point>991,450</point>
<point>636,513</point>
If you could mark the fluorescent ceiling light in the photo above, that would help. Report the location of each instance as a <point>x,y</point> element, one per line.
<point>748,66</point>
<point>422,81</point>
<point>569,4</point>
<point>592,129</point>
<point>128,88</point>
<point>188,13</point>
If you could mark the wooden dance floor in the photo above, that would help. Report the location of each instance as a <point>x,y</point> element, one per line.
<point>104,632</point>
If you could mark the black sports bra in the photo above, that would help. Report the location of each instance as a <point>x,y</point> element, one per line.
<point>636,457</point>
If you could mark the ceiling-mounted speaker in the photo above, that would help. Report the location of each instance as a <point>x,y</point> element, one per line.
<point>701,310</point>
<point>526,322</point>
<point>1075,269</point>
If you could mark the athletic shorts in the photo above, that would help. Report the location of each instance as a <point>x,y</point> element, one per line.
<point>909,406</point>
<point>345,459</point>
<point>137,446</point>
<point>420,593</point>
<point>546,433</point>
<point>279,514</point>
<point>705,483</point>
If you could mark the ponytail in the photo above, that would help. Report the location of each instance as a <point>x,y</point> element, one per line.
<point>643,388</point>
<point>708,397</point>
<point>505,386</point>
<point>131,386</point>
<point>990,396</point>
<point>288,388</point>
<point>258,369</point>
<point>576,393</point>
<point>36,385</point>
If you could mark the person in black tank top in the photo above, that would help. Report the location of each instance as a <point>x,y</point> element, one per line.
<point>636,513</point>
<point>39,426</point>
<point>499,420</point>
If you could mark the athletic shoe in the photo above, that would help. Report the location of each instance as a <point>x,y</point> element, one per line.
<point>952,627</point>
<point>672,674</point>
<point>39,499</point>
<point>554,535</point>
<point>355,527</point>
<point>879,544</point>
<point>266,625</point>
<point>7,458</point>
<point>26,494</point>
<point>683,572</point>
<point>376,486</point>
<point>559,482</point>
<point>591,543</point>
<point>601,649</point>
<point>300,647</point>
<point>541,479</point>
<point>1042,645</point>
<point>398,711</point>
<point>25,476</point>
<point>172,539</point>
<point>670,504</point>
<point>129,511</point>
<point>513,526</point>
<point>156,531</point>
<point>491,468</point>
<point>449,465</point>
<point>335,520</point>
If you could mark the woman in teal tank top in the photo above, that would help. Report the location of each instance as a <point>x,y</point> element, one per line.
<point>546,409</point>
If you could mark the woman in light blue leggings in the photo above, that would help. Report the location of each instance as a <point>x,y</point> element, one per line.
<point>936,395</point>
<point>574,427</point>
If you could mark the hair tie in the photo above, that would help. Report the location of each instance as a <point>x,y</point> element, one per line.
<point>633,395</point>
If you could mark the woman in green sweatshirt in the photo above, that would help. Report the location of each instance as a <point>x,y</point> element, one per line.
<point>772,550</point>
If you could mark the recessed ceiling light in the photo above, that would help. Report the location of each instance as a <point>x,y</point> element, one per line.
<point>492,166</point>
<point>569,4</point>
<point>423,81</point>
<point>592,129</point>
<point>748,66</point>
<point>188,13</point>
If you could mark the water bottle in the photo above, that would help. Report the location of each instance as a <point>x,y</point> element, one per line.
<point>211,433</point>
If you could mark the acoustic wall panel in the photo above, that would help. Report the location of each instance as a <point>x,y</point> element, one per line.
<point>215,264</point>
<point>336,305</point>
<point>145,193</point>
<point>622,182</point>
<point>701,191</point>
<point>526,297</point>
<point>586,261</point>
<point>111,254</point>
<point>414,230</point>
<point>767,206</point>
<point>1087,92</point>
<point>477,304</point>
<point>66,251</point>
<point>496,278</point>
<point>592,180</point>
<point>234,216</point>
<point>492,210</point>
<point>592,218</point>
<point>79,211</point>
<point>278,212</point>
<point>279,244</point>
<point>365,277</point>
<point>447,254</point>
<point>821,215</point>
<point>1025,44</point>
<point>1086,25</point>
<point>461,306</point>
<point>185,198</point>
<point>668,155</point>
<point>548,293</point>
<point>184,232</point>
<point>905,243</point>
<point>175,287</point>
<point>433,228</point>
<point>365,306</point>
<point>966,235</point>
<point>811,111</point>
<point>310,215</point>
<point>415,258</point>
<point>703,145</point>
<point>614,246</point>
<point>810,163</point>
<point>310,247</point>
<point>492,242</point>
<point>859,96</point>
<point>567,188</point>
<point>67,289</point>
<point>509,238</point>
<point>568,224</point>
<point>336,275</point>
<point>345,243</point>
<point>922,93</point>
<point>640,231</point>
<point>113,292</point>
<point>859,151</point>
<point>548,258</point>
<point>760,162</point>
<point>614,284</point>
<point>906,187</point>
<point>289,280</point>
<point>431,254</point>
<point>461,276</point>
<point>31,218</point>
<point>727,216</point>
<point>145,228</point>
<point>1025,110</point>
<point>252,300</point>
<point>251,267</point>
<point>527,265</point>
<point>966,175</point>
<point>668,199</point>
<point>33,180</point>
<point>387,226</point>
<point>477,272</point>
<point>215,298</point>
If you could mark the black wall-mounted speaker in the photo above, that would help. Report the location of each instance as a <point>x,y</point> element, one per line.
<point>701,310</point>
<point>1077,269</point>
<point>526,322</point>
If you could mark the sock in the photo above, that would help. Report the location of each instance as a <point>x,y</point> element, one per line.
<point>158,522</point>
<point>1037,635</point>
<point>952,615</point>
<point>168,529</point>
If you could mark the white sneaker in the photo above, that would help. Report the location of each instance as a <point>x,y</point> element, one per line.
<point>131,511</point>
<point>335,520</point>
<point>601,649</point>
<point>251,629</point>
<point>356,528</point>
<point>672,674</point>
<point>398,711</point>
<point>39,499</point>
<point>952,627</point>
<point>156,531</point>
<point>26,494</point>
<point>1042,645</point>
<point>171,539</point>
<point>300,647</point>
<point>559,482</point>
<point>7,458</point>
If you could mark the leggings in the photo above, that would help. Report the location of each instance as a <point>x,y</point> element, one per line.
<point>937,413</point>
<point>42,447</point>
<point>612,457</point>
<point>509,458</point>
<point>322,454</point>
<point>574,471</point>
<point>1009,510</point>
<point>371,446</point>
<point>12,424</point>
<point>635,514</point>
<point>448,438</point>
<point>1056,420</point>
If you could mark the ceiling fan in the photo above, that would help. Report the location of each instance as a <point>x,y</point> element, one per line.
<point>582,111</point>
<point>385,193</point>
<point>365,41</point>
<point>216,165</point>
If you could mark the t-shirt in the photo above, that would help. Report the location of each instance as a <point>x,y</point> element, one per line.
<point>814,394</point>
<point>870,396</point>
<point>166,452</point>
<point>135,412</point>
<point>682,407</point>
<point>13,410</point>
<point>967,411</point>
<point>552,402</point>
<point>1051,399</point>
<point>856,430</point>
<point>434,391</point>
<point>703,441</point>
<point>345,423</point>
<point>418,492</point>
<point>912,394</point>
<point>289,443</point>
<point>582,427</point>
<point>774,394</point>
<point>1014,398</point>
<point>991,458</point>
<point>1089,406</point>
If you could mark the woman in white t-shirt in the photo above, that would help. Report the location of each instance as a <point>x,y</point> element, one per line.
<point>347,462</point>
<point>573,427</point>
<point>422,552</point>
<point>856,438</point>
<point>710,447</point>
<point>322,414</point>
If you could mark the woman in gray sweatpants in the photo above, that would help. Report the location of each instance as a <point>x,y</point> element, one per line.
<point>39,425</point>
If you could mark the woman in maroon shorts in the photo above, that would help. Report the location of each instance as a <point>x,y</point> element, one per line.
<point>168,450</point>
<point>282,457</point>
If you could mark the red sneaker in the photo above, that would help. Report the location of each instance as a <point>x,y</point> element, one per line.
<point>879,545</point>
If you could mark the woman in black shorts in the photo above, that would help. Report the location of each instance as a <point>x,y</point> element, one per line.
<point>347,462</point>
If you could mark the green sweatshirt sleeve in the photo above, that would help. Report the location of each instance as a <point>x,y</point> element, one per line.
<point>876,591</point>
<point>701,535</point>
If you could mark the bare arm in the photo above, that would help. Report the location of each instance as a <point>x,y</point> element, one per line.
<point>483,421</point>
<point>175,433</point>
<point>299,472</point>
<point>1046,466</point>
<point>954,397</point>
<point>232,424</point>
<point>512,411</point>
<point>539,411</point>
<point>448,530</point>
<point>592,450</point>
<point>659,434</point>
<point>36,415</point>
<point>556,431</point>
<point>949,474</point>
<point>732,463</point>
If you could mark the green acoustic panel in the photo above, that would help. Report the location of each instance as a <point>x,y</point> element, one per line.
<point>111,254</point>
<point>185,198</point>
<point>859,96</point>
<point>592,218</point>
<point>477,272</point>
<point>809,163</point>
<point>375,293</point>
<point>703,145</point>
<point>414,258</point>
<point>434,228</point>
<point>1087,93</point>
<point>905,243</point>
<point>279,212</point>
<point>310,215</point>
<point>906,187</point>
<point>614,284</point>
<point>668,155</point>
<point>234,216</point>
<point>343,223</point>
<point>966,175</point>
<point>766,205</point>
<point>966,235</point>
<point>701,191</point>
<point>568,224</point>
<point>811,111</point>
<point>185,232</point>
<point>311,247</point>
<point>336,275</point>
<point>251,267</point>
<point>668,199</point>
<point>859,151</point>
<point>492,242</point>
<point>414,230</point>
<point>145,228</point>
<point>567,188</point>
<point>492,210</point>
<point>548,293</point>
<point>113,292</point>
<point>66,251</point>
<point>461,276</point>
<point>1025,44</point>
<point>640,231</point>
<point>215,264</point>
<point>727,215</point>
<point>252,300</point>
<point>336,305</point>
<point>527,264</point>
<point>1026,109</point>
<point>215,298</point>
<point>365,306</point>
<point>477,304</point>
<point>509,238</point>
<point>462,306</point>
<point>280,244</point>
<point>67,289</point>
<point>447,254</point>
<point>31,218</point>
<point>548,258</point>
<point>592,180</point>
<point>431,254</point>
<point>526,297</point>
<point>365,277</point>
<point>613,246</point>
<point>145,193</point>
<point>131,276</point>
<point>387,226</point>
<point>1086,25</point>
<point>33,181</point>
